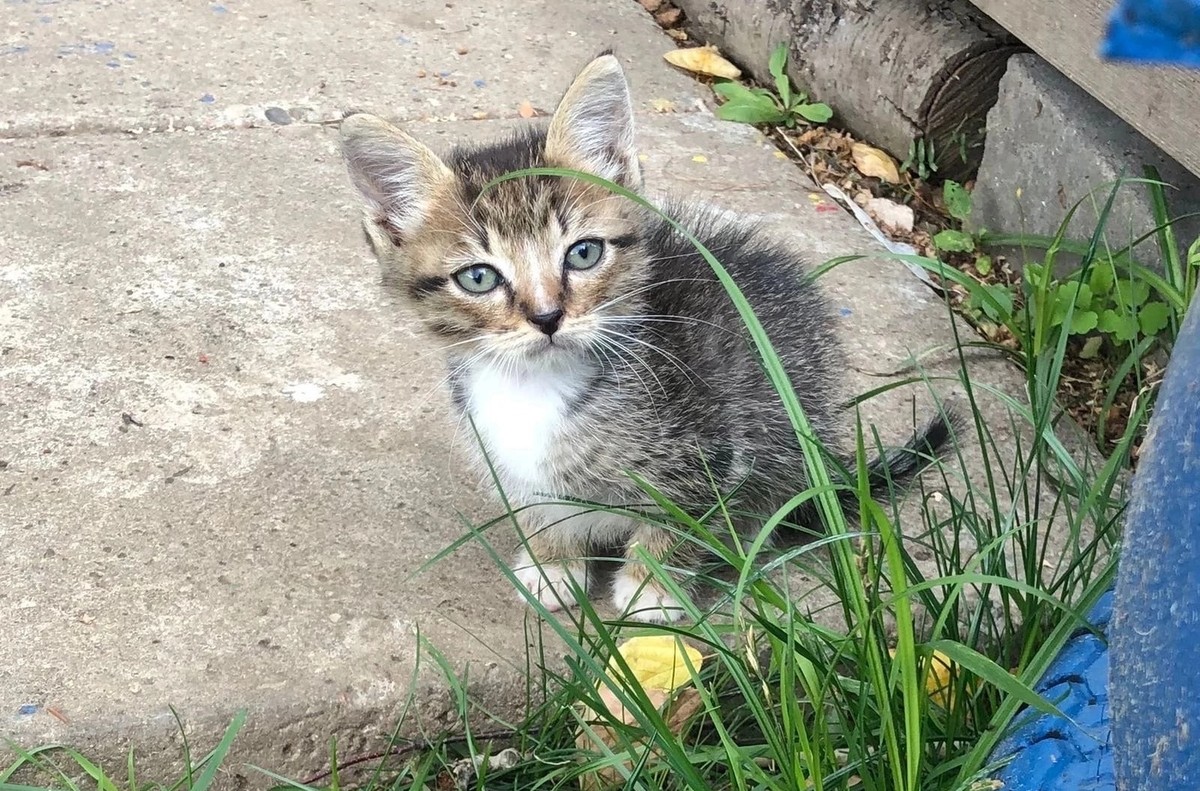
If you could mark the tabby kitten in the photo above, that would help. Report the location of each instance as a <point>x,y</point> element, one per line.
<point>586,339</point>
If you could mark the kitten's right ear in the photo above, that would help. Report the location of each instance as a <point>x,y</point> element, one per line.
<point>397,176</point>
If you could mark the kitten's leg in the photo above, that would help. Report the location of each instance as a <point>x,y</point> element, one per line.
<point>635,593</point>
<point>552,559</point>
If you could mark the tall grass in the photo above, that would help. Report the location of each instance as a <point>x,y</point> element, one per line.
<point>796,699</point>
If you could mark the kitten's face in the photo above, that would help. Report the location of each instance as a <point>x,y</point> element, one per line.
<point>537,268</point>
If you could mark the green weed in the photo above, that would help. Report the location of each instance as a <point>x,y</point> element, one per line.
<point>782,107</point>
<point>1113,304</point>
<point>921,159</point>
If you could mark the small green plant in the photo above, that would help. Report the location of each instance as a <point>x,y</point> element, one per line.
<point>1107,298</point>
<point>921,159</point>
<point>955,240</point>
<point>784,107</point>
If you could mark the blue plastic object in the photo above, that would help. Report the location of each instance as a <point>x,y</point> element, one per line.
<point>1049,753</point>
<point>1165,32</point>
<point>1156,620</point>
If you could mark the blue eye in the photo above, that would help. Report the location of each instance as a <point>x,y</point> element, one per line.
<point>478,278</point>
<point>584,254</point>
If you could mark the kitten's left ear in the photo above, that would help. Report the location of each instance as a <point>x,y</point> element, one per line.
<point>592,129</point>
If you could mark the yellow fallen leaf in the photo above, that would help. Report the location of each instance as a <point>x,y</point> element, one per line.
<point>657,661</point>
<point>703,60</point>
<point>660,665</point>
<point>700,158</point>
<point>937,680</point>
<point>870,161</point>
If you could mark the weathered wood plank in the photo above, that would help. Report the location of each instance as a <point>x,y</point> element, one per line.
<point>1161,103</point>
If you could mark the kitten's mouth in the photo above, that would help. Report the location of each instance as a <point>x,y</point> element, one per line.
<point>550,347</point>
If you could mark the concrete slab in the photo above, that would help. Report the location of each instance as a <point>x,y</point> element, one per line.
<point>1051,144</point>
<point>82,66</point>
<point>224,455</point>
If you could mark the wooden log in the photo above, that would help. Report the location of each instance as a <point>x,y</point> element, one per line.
<point>894,71</point>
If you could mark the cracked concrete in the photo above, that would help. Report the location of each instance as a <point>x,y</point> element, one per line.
<point>223,455</point>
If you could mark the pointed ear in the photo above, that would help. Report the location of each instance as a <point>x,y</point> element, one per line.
<point>592,129</point>
<point>397,176</point>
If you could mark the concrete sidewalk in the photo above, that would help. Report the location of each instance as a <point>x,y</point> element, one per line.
<point>222,455</point>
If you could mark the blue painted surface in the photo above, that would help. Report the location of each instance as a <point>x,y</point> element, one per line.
<point>1154,31</point>
<point>1051,754</point>
<point>1156,619</point>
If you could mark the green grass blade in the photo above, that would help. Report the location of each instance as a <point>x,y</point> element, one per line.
<point>214,760</point>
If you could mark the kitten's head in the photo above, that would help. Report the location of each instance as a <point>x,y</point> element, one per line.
<point>528,270</point>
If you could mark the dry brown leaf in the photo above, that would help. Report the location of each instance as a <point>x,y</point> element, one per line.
<point>677,33</point>
<point>669,18</point>
<point>525,109</point>
<point>663,105</point>
<point>651,5</point>
<point>872,162</point>
<point>703,60</point>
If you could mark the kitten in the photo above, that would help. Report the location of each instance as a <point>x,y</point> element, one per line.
<point>586,339</point>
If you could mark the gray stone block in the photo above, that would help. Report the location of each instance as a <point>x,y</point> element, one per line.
<point>1050,144</point>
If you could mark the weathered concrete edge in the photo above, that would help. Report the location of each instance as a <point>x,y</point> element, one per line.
<point>294,740</point>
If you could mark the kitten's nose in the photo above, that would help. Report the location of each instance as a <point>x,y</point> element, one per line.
<point>547,322</point>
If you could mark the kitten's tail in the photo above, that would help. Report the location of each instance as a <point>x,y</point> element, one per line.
<point>897,467</point>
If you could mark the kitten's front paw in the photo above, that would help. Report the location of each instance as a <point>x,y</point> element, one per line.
<point>644,599</point>
<point>551,582</point>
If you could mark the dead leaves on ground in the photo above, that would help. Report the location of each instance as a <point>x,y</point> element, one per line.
<point>668,16</point>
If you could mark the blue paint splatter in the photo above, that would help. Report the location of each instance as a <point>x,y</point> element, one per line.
<point>219,9</point>
<point>87,48</point>
<point>112,64</point>
<point>444,73</point>
<point>843,312</point>
<point>13,49</point>
<point>480,83</point>
<point>402,39</point>
<point>130,56</point>
<point>28,709</point>
<point>208,98</point>
<point>45,20</point>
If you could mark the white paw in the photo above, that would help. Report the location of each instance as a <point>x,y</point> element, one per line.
<point>552,582</point>
<point>644,600</point>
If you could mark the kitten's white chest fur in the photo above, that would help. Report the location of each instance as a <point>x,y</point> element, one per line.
<point>521,415</point>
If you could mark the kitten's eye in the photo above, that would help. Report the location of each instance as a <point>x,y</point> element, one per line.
<point>584,254</point>
<point>478,278</point>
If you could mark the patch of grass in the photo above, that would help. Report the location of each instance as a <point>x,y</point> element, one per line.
<point>908,684</point>
<point>1120,318</point>
<point>62,767</point>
